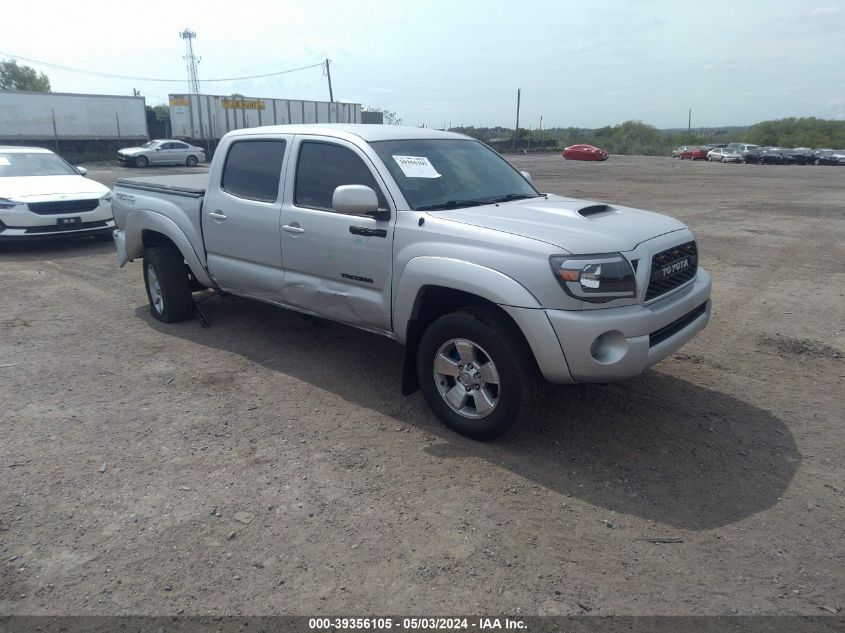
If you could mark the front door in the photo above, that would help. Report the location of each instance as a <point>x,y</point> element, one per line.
<point>240,217</point>
<point>337,265</point>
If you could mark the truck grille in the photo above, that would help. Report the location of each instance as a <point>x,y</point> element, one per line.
<point>56,207</point>
<point>672,268</point>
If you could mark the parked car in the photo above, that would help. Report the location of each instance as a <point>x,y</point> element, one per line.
<point>741,148</point>
<point>431,239</point>
<point>724,155</point>
<point>680,150</point>
<point>764,156</point>
<point>799,156</point>
<point>42,195</point>
<point>829,157</point>
<point>694,153</point>
<point>162,152</point>
<point>785,153</point>
<point>584,152</point>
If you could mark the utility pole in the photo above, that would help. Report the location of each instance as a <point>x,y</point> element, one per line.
<point>329,76</point>
<point>516,131</point>
<point>689,126</point>
<point>191,61</point>
<point>541,131</point>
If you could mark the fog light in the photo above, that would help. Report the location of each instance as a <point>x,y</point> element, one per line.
<point>609,348</point>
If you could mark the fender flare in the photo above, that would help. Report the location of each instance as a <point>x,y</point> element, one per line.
<point>456,274</point>
<point>141,220</point>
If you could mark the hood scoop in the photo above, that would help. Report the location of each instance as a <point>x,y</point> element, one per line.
<point>595,210</point>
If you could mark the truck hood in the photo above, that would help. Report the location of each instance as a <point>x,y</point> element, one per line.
<point>25,187</point>
<point>576,226</point>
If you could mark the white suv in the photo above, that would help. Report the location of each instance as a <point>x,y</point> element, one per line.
<point>42,195</point>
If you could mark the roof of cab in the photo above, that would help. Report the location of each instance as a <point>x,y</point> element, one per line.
<point>366,132</point>
<point>22,149</point>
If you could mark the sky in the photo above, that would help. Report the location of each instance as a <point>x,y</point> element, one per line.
<point>460,62</point>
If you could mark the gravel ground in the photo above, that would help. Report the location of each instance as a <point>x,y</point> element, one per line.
<point>268,465</point>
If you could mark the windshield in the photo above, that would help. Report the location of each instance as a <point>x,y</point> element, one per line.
<point>15,164</point>
<point>451,173</point>
<point>149,144</point>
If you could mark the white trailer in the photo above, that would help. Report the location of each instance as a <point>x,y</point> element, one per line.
<point>40,116</point>
<point>209,117</point>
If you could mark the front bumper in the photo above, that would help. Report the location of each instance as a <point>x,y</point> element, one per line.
<point>84,228</point>
<point>18,223</point>
<point>618,343</point>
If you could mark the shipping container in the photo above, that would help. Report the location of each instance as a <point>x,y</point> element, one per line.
<point>39,116</point>
<point>209,117</point>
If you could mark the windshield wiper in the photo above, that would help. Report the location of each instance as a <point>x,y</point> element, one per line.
<point>509,197</point>
<point>453,204</point>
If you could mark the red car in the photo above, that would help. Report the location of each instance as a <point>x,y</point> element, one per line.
<point>584,152</point>
<point>696,153</point>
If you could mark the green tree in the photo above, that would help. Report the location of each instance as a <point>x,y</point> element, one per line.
<point>390,118</point>
<point>162,111</point>
<point>14,76</point>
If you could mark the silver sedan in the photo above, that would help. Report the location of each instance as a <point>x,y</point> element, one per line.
<point>162,152</point>
<point>724,155</point>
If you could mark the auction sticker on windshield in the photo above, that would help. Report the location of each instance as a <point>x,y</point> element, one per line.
<point>416,167</point>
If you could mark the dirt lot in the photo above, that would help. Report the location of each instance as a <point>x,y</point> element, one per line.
<point>269,465</point>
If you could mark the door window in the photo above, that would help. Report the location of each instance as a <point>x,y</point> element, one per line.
<point>253,169</point>
<point>323,167</point>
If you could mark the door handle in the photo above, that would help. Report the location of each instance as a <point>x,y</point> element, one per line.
<point>368,232</point>
<point>217,215</point>
<point>293,229</point>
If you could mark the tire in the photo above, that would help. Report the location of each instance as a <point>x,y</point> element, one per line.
<point>142,161</point>
<point>817,162</point>
<point>486,338</point>
<point>167,284</point>
<point>191,161</point>
<point>723,159</point>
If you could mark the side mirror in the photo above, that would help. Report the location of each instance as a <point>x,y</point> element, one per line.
<point>526,175</point>
<point>158,149</point>
<point>81,170</point>
<point>358,200</point>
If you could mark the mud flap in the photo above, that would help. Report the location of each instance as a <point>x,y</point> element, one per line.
<point>410,380</point>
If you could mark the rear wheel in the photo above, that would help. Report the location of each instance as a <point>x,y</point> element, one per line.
<point>477,373</point>
<point>167,283</point>
<point>142,161</point>
<point>191,161</point>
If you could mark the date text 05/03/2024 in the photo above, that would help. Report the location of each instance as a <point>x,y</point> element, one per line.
<point>415,624</point>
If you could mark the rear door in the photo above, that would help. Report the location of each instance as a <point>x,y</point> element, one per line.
<point>240,216</point>
<point>337,265</point>
<point>178,153</point>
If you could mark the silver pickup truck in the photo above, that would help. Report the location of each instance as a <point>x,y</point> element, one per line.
<point>433,240</point>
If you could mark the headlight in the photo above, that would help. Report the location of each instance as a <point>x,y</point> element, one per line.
<point>5,203</point>
<point>595,278</point>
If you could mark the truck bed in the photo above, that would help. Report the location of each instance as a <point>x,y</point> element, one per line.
<point>189,185</point>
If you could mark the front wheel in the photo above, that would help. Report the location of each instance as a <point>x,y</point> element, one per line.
<point>167,283</point>
<point>477,373</point>
<point>142,161</point>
